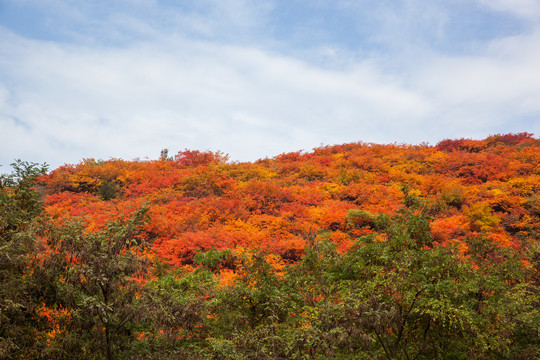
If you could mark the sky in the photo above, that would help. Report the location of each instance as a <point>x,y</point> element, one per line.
<point>125,79</point>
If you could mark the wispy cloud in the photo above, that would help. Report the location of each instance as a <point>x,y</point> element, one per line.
<point>130,83</point>
<point>525,8</point>
<point>194,94</point>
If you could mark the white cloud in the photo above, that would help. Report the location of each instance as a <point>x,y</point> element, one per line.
<point>506,72</point>
<point>525,8</point>
<point>180,93</point>
<point>492,91</point>
<point>61,102</point>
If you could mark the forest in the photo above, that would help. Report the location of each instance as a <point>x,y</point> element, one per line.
<point>352,251</point>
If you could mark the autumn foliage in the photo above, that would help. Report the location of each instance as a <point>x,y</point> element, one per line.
<point>352,251</point>
<point>200,200</point>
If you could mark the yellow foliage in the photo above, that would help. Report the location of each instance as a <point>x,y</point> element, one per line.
<point>480,217</point>
<point>276,263</point>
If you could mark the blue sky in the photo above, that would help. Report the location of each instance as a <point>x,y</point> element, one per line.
<point>124,79</point>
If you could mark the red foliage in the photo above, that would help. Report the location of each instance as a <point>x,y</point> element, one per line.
<point>200,201</point>
<point>198,158</point>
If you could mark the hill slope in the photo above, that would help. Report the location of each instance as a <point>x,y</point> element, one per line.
<point>199,200</point>
<point>354,251</point>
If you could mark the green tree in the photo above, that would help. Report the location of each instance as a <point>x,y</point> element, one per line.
<point>175,306</point>
<point>96,277</point>
<point>19,206</point>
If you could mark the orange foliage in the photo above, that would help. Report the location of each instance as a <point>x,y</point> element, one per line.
<point>227,277</point>
<point>200,200</point>
<point>55,319</point>
<point>446,230</point>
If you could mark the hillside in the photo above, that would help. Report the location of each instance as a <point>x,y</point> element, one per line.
<point>353,251</point>
<point>199,200</point>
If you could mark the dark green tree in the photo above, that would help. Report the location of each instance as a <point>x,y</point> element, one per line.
<point>96,276</point>
<point>175,307</point>
<point>19,206</point>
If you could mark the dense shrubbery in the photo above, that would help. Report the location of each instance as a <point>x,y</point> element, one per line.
<point>357,251</point>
